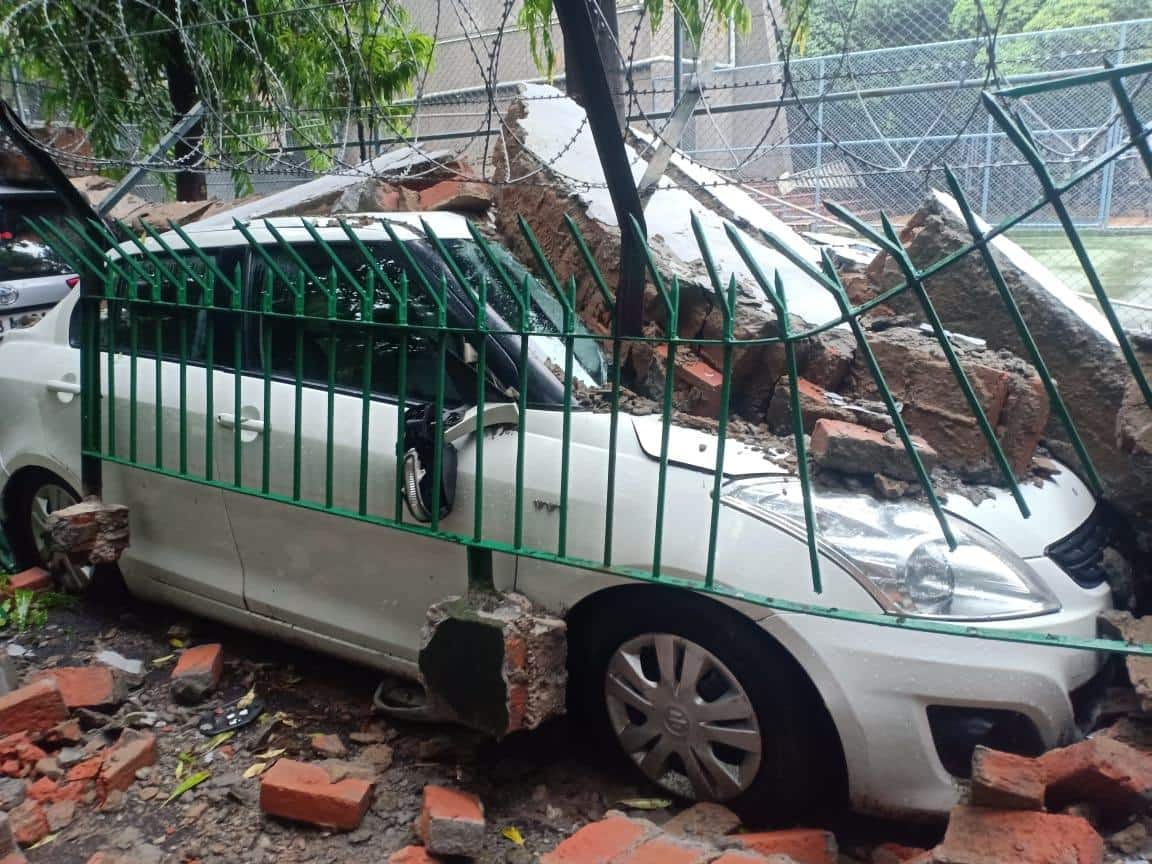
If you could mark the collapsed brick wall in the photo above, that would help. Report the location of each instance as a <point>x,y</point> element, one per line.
<point>1088,369</point>
<point>756,369</point>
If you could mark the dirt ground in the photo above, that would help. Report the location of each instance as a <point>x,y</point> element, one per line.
<point>541,783</point>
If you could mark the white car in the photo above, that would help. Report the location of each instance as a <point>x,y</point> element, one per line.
<point>711,697</point>
<point>33,278</point>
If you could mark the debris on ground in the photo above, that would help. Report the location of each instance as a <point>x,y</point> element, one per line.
<point>451,821</point>
<point>197,673</point>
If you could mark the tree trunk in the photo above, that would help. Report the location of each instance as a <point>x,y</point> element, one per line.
<point>191,185</point>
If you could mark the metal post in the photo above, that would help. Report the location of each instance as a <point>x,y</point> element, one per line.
<point>677,57</point>
<point>1115,136</point>
<point>820,132</point>
<point>986,187</point>
<point>195,113</point>
<point>575,19</point>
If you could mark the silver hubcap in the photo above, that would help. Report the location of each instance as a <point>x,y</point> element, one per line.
<point>48,499</point>
<point>683,717</point>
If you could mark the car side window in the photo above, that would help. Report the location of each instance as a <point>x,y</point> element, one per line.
<point>326,341</point>
<point>145,314</point>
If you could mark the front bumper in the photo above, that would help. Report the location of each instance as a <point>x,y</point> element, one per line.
<point>879,683</point>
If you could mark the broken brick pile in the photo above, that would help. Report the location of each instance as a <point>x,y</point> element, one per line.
<point>35,720</point>
<point>1045,810</point>
<point>452,824</point>
<point>835,383</point>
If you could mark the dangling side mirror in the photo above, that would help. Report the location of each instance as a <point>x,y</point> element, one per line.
<point>418,484</point>
<point>420,438</point>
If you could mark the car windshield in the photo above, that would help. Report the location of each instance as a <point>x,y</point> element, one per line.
<point>546,315</point>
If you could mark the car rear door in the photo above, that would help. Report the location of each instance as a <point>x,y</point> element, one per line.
<point>172,361</point>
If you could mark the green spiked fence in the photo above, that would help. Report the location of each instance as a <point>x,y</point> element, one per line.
<point>151,299</point>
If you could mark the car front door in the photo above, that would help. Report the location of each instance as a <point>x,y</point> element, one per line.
<point>302,447</point>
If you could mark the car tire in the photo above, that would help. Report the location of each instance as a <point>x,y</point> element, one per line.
<point>761,739</point>
<point>30,496</point>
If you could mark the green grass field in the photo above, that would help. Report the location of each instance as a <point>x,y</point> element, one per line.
<point>1122,257</point>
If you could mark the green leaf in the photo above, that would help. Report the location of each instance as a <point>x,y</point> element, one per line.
<point>219,738</point>
<point>645,803</point>
<point>192,782</point>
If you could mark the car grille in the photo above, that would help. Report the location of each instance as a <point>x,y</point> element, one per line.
<point>1081,553</point>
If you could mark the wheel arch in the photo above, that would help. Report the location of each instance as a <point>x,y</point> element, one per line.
<point>632,598</point>
<point>21,469</point>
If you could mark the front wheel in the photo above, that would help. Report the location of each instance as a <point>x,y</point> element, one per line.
<point>33,497</point>
<point>709,708</point>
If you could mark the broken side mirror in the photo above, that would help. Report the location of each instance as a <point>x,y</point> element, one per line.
<point>421,435</point>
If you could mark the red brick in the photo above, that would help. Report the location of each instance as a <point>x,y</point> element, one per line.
<point>977,835</point>
<point>741,858</point>
<point>89,769</point>
<point>457,195</point>
<point>855,449</point>
<point>68,732</point>
<point>600,842</point>
<point>83,686</point>
<point>804,845</point>
<point>705,820</point>
<point>295,790</point>
<point>205,660</point>
<point>451,822</point>
<point>33,708</point>
<point>33,579</point>
<point>665,850</point>
<point>695,376</point>
<point>29,824</point>
<point>411,855</point>
<point>1100,770</point>
<point>19,747</point>
<point>894,853</point>
<point>44,789</point>
<point>815,405</point>
<point>1006,780</point>
<point>134,750</point>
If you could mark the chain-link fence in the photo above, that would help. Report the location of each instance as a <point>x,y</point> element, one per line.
<point>872,129</point>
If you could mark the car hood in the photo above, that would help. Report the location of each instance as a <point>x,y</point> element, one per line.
<point>693,448</point>
<point>1059,504</point>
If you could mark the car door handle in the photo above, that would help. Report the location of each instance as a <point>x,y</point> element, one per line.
<point>72,387</point>
<point>228,421</point>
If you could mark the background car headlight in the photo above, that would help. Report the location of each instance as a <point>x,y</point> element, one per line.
<point>898,548</point>
<point>8,295</point>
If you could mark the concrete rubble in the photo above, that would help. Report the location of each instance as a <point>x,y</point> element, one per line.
<point>516,657</point>
<point>89,532</point>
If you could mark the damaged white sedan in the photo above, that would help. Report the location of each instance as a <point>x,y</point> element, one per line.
<point>773,712</point>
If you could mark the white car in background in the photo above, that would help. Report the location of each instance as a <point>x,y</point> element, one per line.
<point>33,278</point>
<point>772,712</point>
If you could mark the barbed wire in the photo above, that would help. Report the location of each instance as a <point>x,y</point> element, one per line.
<point>283,137</point>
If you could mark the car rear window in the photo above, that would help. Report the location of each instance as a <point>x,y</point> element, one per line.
<point>26,259</point>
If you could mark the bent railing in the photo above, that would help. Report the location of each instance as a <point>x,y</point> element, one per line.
<point>171,301</point>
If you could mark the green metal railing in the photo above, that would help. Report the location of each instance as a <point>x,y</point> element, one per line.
<point>166,299</point>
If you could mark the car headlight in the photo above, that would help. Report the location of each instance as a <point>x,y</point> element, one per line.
<point>897,549</point>
<point>8,295</point>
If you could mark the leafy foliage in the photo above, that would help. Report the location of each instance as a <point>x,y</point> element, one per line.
<point>264,69</point>
<point>28,610</point>
<point>536,16</point>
